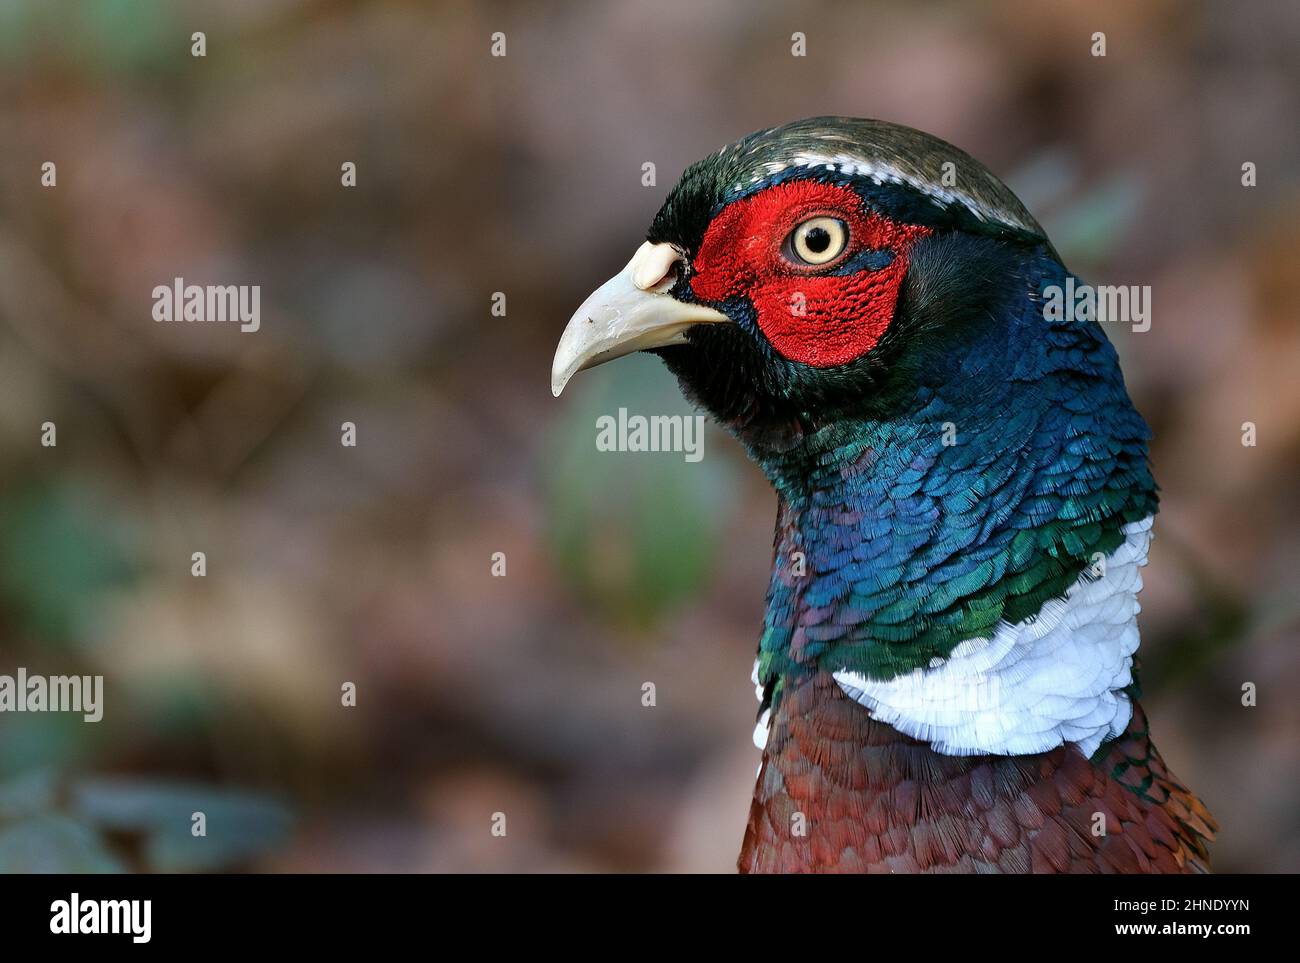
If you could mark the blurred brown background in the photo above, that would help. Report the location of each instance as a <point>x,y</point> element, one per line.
<point>522,175</point>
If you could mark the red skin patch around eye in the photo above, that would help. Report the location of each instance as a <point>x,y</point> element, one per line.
<point>843,316</point>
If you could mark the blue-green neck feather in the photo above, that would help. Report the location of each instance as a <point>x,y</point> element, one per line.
<point>1013,458</point>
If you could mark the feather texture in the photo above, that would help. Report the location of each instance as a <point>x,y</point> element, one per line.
<point>841,792</point>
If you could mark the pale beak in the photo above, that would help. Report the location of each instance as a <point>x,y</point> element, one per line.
<point>632,311</point>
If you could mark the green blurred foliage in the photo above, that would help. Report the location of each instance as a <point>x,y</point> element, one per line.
<point>53,843</point>
<point>49,825</point>
<point>634,533</point>
<point>60,548</point>
<point>106,37</point>
<point>159,815</point>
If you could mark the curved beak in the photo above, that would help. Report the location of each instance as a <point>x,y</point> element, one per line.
<point>632,311</point>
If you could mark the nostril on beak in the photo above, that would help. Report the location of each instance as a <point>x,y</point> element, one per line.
<point>653,264</point>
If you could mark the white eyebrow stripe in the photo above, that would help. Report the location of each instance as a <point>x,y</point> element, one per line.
<point>881,172</point>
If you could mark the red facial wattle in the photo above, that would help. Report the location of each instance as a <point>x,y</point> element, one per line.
<point>808,314</point>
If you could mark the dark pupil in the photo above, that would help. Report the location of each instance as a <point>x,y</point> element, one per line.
<point>818,239</point>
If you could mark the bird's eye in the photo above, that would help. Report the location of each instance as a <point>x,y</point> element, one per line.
<point>818,240</point>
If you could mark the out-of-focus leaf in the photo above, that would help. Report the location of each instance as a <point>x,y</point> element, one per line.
<point>109,35</point>
<point>1089,229</point>
<point>57,553</point>
<point>31,793</point>
<point>51,843</point>
<point>54,740</point>
<point>240,825</point>
<point>635,532</point>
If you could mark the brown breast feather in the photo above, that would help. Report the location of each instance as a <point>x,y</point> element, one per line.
<point>876,801</point>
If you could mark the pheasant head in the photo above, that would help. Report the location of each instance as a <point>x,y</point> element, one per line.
<point>964,500</point>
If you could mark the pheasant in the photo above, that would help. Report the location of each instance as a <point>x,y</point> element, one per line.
<point>946,666</point>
